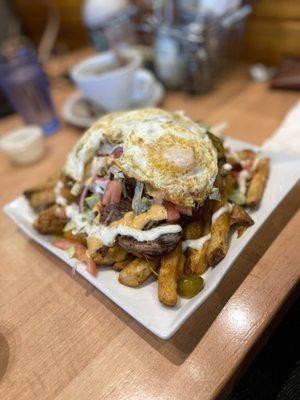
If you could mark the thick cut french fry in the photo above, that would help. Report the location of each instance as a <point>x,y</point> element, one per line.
<point>240,218</point>
<point>109,256</point>
<point>137,271</point>
<point>196,261</point>
<point>218,243</point>
<point>42,199</point>
<point>258,183</point>
<point>168,276</point>
<point>48,183</point>
<point>119,265</point>
<point>49,222</point>
<point>180,266</point>
<point>188,268</point>
<point>42,196</point>
<point>199,259</point>
<point>192,230</point>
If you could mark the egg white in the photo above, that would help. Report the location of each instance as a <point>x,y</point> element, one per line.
<point>169,152</point>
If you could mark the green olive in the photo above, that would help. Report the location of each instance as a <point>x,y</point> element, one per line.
<point>189,286</point>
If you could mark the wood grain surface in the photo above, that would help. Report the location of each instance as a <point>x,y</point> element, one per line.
<point>62,339</point>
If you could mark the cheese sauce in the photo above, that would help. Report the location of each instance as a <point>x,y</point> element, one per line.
<point>108,234</point>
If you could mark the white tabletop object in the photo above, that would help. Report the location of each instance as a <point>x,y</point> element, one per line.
<point>25,145</point>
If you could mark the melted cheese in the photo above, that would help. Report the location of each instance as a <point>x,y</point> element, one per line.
<point>155,213</point>
<point>130,225</point>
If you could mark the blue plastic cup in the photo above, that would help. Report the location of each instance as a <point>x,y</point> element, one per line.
<point>26,87</point>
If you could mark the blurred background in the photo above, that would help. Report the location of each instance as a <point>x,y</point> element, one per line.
<point>187,45</point>
<point>165,46</point>
<point>272,30</point>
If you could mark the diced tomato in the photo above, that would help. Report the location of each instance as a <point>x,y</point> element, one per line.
<point>106,196</point>
<point>172,212</point>
<point>80,253</point>
<point>63,244</point>
<point>92,267</point>
<point>113,193</point>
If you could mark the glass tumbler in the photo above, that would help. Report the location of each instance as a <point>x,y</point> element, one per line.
<point>26,86</point>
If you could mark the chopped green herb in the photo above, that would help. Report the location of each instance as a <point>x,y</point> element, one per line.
<point>71,251</point>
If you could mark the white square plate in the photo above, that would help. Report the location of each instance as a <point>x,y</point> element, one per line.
<point>142,303</point>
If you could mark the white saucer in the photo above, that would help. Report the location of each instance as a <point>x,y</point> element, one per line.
<point>81,112</point>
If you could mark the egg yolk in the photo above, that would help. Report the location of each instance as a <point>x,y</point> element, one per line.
<point>182,158</point>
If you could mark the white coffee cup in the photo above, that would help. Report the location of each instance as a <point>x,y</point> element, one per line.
<point>114,89</point>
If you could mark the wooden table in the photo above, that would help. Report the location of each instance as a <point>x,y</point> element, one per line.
<point>62,339</point>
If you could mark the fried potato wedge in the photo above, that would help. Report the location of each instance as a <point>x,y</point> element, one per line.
<point>50,222</point>
<point>137,272</point>
<point>48,183</point>
<point>180,265</point>
<point>196,261</point>
<point>240,218</point>
<point>42,199</point>
<point>168,277</point>
<point>192,230</point>
<point>120,265</point>
<point>218,243</point>
<point>258,183</point>
<point>109,255</point>
<point>43,196</point>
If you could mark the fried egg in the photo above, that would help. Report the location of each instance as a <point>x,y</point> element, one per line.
<point>172,155</point>
<point>168,152</point>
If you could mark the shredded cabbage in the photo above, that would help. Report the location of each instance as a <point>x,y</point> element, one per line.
<point>140,204</point>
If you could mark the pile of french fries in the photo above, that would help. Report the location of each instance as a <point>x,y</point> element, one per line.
<point>134,271</point>
<point>170,268</point>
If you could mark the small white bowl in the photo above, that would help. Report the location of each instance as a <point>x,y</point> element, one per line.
<point>25,145</point>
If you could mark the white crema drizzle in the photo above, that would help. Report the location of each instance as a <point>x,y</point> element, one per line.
<point>198,244</point>
<point>108,234</point>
